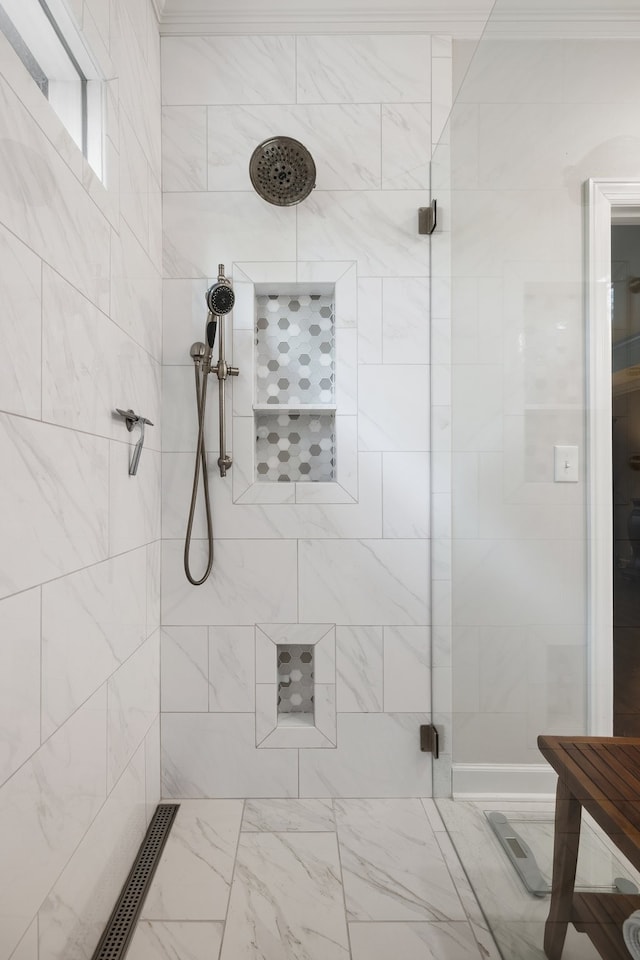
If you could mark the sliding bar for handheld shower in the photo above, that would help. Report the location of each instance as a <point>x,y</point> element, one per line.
<point>220,299</point>
<point>222,370</point>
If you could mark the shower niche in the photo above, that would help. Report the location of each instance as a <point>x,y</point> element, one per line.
<point>294,417</point>
<point>295,386</point>
<point>296,685</point>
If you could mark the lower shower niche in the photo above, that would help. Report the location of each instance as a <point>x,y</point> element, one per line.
<point>295,447</point>
<point>295,684</point>
<point>297,706</point>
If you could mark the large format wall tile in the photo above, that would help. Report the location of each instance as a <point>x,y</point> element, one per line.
<point>57,484</point>
<point>407,669</point>
<point>66,851</point>
<point>19,680</point>
<point>133,704</point>
<point>201,229</point>
<point>74,914</point>
<point>216,70</point>
<point>43,204</point>
<point>185,669</point>
<point>231,669</point>
<point>376,228</point>
<point>78,346</point>
<point>364,69</point>
<point>406,131</point>
<point>90,366</point>
<point>405,320</point>
<point>359,669</point>
<point>214,755</point>
<point>136,294</point>
<point>46,808</point>
<point>260,521</point>
<point>393,407</point>
<point>378,755</point>
<point>251,582</point>
<point>20,280</point>
<point>28,947</point>
<point>92,621</point>
<point>134,501</point>
<point>364,581</point>
<point>184,148</point>
<point>405,503</point>
<point>343,139</point>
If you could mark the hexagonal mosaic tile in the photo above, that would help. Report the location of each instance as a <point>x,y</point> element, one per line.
<point>295,349</point>
<point>295,447</point>
<point>295,678</point>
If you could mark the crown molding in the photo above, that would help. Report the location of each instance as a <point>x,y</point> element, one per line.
<point>552,19</point>
<point>462,23</point>
<point>158,8</point>
<point>565,19</point>
<point>590,28</point>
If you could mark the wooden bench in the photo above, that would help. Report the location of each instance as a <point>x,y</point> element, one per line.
<point>601,774</point>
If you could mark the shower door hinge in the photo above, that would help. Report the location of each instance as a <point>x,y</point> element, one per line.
<point>428,218</point>
<point>429,740</point>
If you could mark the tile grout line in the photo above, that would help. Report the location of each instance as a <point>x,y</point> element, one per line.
<point>231,882</point>
<point>344,895</point>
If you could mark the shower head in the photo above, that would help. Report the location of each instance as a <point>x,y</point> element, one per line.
<point>220,297</point>
<point>282,171</point>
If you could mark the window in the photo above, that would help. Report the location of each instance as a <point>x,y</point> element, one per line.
<point>45,38</point>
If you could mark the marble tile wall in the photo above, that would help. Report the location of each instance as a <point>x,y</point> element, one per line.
<point>534,119</point>
<point>366,107</point>
<point>80,273</point>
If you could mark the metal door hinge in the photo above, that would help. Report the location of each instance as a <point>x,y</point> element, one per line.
<point>428,218</point>
<point>429,740</point>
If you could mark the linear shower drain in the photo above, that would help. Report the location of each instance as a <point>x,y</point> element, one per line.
<point>121,926</point>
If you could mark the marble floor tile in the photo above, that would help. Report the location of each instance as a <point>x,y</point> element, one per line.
<point>169,941</point>
<point>392,865</point>
<point>523,941</point>
<point>286,900</point>
<point>413,941</point>
<point>271,879</point>
<point>280,816</point>
<point>194,876</point>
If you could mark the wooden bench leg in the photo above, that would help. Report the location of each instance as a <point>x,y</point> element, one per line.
<point>565,858</point>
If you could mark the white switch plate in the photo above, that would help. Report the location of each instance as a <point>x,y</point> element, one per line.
<point>565,464</point>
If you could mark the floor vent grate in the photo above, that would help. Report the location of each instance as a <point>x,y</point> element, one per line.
<point>122,922</point>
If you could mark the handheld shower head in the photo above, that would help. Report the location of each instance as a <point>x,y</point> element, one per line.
<point>220,297</point>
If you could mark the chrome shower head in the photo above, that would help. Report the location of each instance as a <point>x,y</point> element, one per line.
<point>282,171</point>
<point>220,297</point>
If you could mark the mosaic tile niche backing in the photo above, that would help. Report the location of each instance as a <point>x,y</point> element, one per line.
<point>295,678</point>
<point>294,447</point>
<point>295,353</point>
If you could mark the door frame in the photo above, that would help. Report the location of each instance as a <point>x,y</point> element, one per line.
<point>606,200</point>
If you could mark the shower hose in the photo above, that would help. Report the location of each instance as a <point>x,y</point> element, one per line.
<point>200,468</point>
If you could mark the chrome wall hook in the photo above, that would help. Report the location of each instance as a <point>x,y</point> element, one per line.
<point>132,420</point>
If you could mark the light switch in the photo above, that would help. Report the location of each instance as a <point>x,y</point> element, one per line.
<point>565,464</point>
